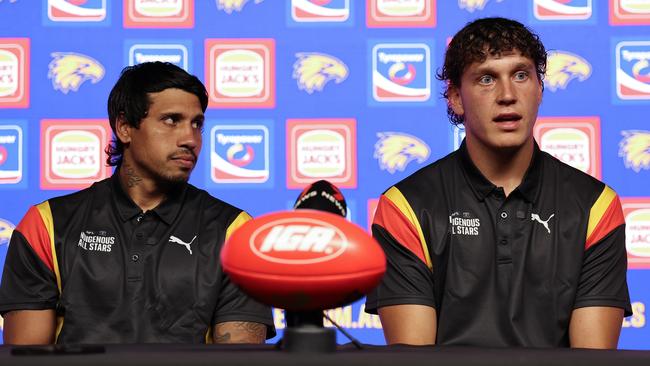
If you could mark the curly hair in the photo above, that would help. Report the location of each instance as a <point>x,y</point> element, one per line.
<point>483,38</point>
<point>129,98</point>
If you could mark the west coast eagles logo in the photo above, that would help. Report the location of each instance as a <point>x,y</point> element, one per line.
<point>635,149</point>
<point>6,229</point>
<point>233,5</point>
<point>471,5</point>
<point>563,67</point>
<point>395,150</point>
<point>313,70</point>
<point>68,70</point>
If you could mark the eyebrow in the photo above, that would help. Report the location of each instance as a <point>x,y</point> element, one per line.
<point>488,69</point>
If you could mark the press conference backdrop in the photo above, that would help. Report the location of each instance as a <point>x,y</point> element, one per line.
<point>302,90</point>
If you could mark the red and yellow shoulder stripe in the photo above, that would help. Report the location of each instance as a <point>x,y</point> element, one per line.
<point>240,220</point>
<point>395,214</point>
<point>606,214</point>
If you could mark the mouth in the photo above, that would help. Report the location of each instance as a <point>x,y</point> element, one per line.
<point>508,121</point>
<point>185,160</point>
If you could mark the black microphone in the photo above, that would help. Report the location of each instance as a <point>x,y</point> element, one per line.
<point>322,196</point>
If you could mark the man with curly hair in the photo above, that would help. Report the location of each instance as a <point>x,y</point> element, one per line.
<point>500,244</point>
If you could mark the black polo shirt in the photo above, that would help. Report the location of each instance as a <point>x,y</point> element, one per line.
<point>501,271</point>
<point>116,274</point>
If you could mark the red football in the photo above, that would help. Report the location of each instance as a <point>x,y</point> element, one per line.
<point>303,260</point>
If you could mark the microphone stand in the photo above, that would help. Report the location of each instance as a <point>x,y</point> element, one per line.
<point>305,332</point>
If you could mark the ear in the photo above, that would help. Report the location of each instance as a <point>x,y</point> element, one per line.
<point>454,100</point>
<point>123,129</point>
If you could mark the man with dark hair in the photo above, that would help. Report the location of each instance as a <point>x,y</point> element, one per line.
<point>133,258</point>
<point>500,244</point>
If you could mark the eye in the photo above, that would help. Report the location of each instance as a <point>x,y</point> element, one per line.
<point>169,120</point>
<point>197,124</point>
<point>486,79</point>
<point>521,75</point>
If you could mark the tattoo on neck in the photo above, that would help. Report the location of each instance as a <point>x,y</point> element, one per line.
<point>132,178</point>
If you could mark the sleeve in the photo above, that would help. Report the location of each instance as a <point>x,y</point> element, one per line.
<point>603,279</point>
<point>233,304</point>
<point>408,278</point>
<point>28,279</point>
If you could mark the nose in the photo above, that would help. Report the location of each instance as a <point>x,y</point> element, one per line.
<point>190,137</point>
<point>507,94</point>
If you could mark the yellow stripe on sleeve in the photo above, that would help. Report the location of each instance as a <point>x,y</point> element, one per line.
<point>599,208</point>
<point>398,199</point>
<point>241,219</point>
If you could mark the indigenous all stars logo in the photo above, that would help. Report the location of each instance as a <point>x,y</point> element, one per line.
<point>562,67</point>
<point>562,9</point>
<point>464,224</point>
<point>313,70</point>
<point>76,10</point>
<point>634,148</point>
<point>629,12</point>
<point>633,70</point>
<point>401,72</point>
<point>395,151</point>
<point>68,70</point>
<point>230,6</point>
<point>313,11</point>
<point>472,5</point>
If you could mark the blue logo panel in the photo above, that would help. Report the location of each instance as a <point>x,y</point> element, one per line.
<point>13,154</point>
<point>76,13</point>
<point>177,52</point>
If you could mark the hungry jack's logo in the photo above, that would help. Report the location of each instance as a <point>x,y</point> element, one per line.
<point>240,73</point>
<point>321,149</point>
<point>637,231</point>
<point>562,9</point>
<point>403,14</point>
<point>158,14</point>
<point>72,154</point>
<point>633,70</point>
<point>14,72</point>
<point>629,12</point>
<point>562,67</point>
<point>573,140</point>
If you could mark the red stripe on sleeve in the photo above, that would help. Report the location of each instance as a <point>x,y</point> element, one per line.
<point>611,219</point>
<point>391,218</point>
<point>34,230</point>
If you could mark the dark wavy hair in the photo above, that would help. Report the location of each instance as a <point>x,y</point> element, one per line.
<point>488,37</point>
<point>129,97</point>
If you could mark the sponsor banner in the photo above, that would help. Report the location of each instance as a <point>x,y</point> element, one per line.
<point>372,208</point>
<point>240,152</point>
<point>562,67</point>
<point>637,231</point>
<point>320,12</point>
<point>14,72</point>
<point>401,13</point>
<point>12,154</point>
<point>560,10</point>
<point>158,14</point>
<point>629,12</point>
<point>633,70</point>
<point>401,73</point>
<point>240,73</point>
<point>573,140</point>
<point>72,152</point>
<point>76,13</point>
<point>176,52</point>
<point>321,149</point>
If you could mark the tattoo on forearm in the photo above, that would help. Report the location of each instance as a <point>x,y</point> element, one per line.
<point>240,332</point>
<point>133,179</point>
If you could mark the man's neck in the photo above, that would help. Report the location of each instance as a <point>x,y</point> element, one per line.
<point>146,193</point>
<point>504,168</point>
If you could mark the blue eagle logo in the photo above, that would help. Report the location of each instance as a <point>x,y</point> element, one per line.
<point>471,5</point>
<point>230,6</point>
<point>635,149</point>
<point>395,151</point>
<point>562,67</point>
<point>68,70</point>
<point>313,70</point>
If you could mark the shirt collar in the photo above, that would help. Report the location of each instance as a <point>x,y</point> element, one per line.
<point>482,187</point>
<point>127,209</point>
